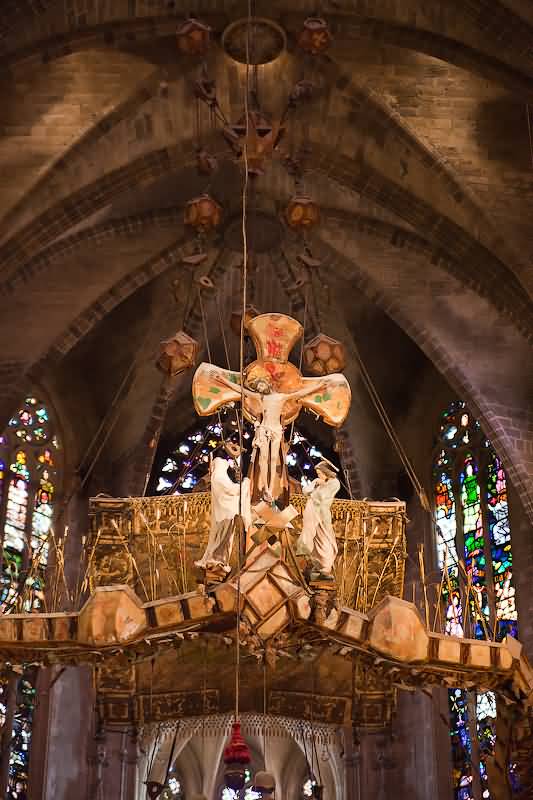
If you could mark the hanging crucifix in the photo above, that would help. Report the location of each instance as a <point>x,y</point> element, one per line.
<point>273,394</point>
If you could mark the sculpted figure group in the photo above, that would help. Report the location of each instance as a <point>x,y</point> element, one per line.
<point>273,393</point>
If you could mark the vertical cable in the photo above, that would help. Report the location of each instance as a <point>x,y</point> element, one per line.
<point>301,358</point>
<point>241,352</point>
<point>530,134</point>
<point>264,711</point>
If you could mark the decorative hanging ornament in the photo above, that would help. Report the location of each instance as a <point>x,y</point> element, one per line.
<point>309,262</point>
<point>193,37</point>
<point>302,213</point>
<point>259,137</point>
<point>191,260</point>
<point>236,758</point>
<point>177,354</point>
<point>203,213</point>
<point>205,283</point>
<point>236,316</point>
<point>315,36</point>
<point>324,355</point>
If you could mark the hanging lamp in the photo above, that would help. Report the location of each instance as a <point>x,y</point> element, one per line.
<point>203,213</point>
<point>315,36</point>
<point>193,37</point>
<point>324,355</point>
<point>236,758</point>
<point>302,213</point>
<point>177,354</point>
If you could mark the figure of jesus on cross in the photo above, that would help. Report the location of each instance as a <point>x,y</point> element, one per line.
<point>268,427</point>
<point>273,394</point>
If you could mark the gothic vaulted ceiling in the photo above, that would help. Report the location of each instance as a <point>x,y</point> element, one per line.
<point>420,159</point>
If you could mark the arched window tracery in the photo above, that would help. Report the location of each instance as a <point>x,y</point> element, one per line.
<point>473,542</point>
<point>182,466</point>
<point>30,474</point>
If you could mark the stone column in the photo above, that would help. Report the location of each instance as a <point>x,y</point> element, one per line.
<point>375,761</point>
<point>421,747</point>
<point>351,761</point>
<point>112,766</point>
<point>69,736</point>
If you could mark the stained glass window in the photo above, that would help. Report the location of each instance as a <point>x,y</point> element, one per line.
<point>172,789</point>
<point>473,541</point>
<point>231,794</point>
<point>30,458</point>
<point>3,700</point>
<point>183,466</point>
<point>500,542</point>
<point>248,793</point>
<point>21,736</point>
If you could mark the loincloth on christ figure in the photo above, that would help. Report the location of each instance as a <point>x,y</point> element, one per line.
<point>269,447</point>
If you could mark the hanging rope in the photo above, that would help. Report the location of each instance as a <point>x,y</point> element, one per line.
<point>264,711</point>
<point>204,325</point>
<point>309,765</point>
<point>171,755</point>
<point>313,738</point>
<point>222,330</point>
<point>241,352</point>
<point>301,357</point>
<point>150,761</point>
<point>387,424</point>
<point>530,133</point>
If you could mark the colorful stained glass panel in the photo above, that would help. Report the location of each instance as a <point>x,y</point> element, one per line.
<point>470,481</point>
<point>16,511</point>
<point>501,553</point>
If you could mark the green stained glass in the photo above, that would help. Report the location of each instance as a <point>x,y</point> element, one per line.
<point>478,492</point>
<point>29,478</point>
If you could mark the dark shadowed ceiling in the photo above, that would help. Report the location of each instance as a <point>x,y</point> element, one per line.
<point>419,157</point>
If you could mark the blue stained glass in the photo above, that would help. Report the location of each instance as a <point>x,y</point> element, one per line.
<point>450,432</point>
<point>502,558</point>
<point>21,736</point>
<point>477,488</point>
<point>185,467</point>
<point>28,476</point>
<point>42,415</point>
<point>461,744</point>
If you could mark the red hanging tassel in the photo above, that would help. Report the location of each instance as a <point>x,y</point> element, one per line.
<point>236,757</point>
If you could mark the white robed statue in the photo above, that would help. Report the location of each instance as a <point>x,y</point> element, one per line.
<point>228,500</point>
<point>317,540</point>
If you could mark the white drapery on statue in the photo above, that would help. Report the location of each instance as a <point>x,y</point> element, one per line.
<point>317,540</point>
<point>225,506</point>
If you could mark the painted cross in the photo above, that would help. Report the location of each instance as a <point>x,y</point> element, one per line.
<point>273,394</point>
<point>274,336</point>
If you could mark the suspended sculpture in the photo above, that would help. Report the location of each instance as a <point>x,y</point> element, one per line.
<point>273,393</point>
<point>317,540</point>
<point>229,500</point>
